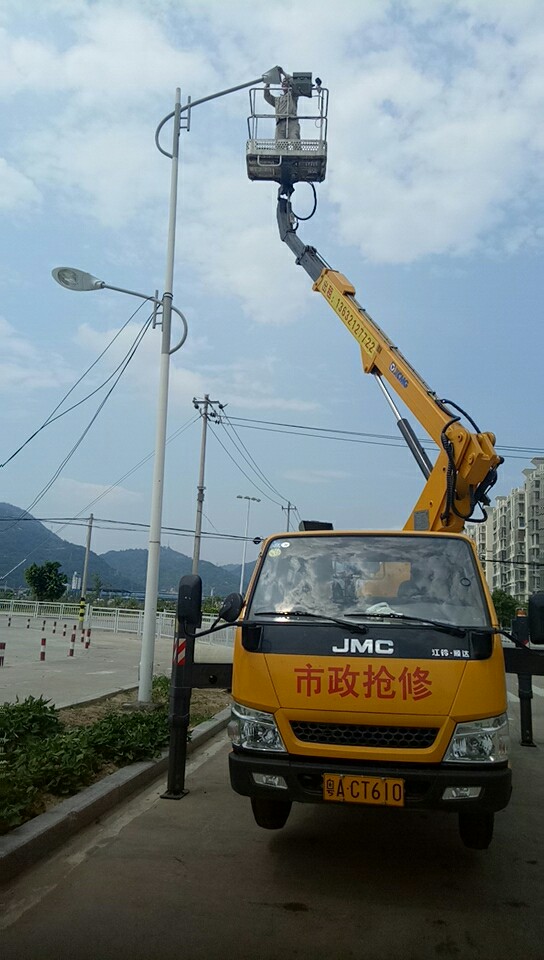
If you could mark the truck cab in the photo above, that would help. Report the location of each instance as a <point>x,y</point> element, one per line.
<point>368,669</point>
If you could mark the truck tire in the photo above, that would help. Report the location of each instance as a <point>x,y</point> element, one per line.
<point>270,814</point>
<point>476,828</point>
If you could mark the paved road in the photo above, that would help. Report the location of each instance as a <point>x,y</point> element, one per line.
<point>110,663</point>
<point>196,879</point>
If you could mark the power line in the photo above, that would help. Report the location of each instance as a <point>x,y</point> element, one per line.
<point>127,526</point>
<point>256,485</point>
<point>52,418</point>
<point>128,357</point>
<point>251,461</point>
<point>356,436</point>
<point>514,563</point>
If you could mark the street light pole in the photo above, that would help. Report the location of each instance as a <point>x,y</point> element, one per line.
<point>250,500</point>
<point>149,627</point>
<point>73,279</point>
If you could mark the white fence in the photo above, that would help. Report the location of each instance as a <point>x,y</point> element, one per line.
<point>105,618</point>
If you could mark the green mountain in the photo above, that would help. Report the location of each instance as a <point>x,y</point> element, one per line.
<point>132,564</point>
<point>25,540</point>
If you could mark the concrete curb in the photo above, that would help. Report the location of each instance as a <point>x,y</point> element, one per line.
<point>27,844</point>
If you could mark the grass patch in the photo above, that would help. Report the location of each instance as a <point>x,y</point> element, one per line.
<point>47,754</point>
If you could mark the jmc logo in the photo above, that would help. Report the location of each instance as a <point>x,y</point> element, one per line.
<point>383,648</point>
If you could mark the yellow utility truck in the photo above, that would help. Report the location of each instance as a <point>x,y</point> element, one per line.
<point>368,666</point>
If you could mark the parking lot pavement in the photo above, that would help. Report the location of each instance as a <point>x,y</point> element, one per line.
<point>108,664</point>
<point>196,878</point>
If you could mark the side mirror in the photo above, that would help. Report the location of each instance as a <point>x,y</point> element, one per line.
<point>231,607</point>
<point>482,644</point>
<point>252,634</point>
<point>536,618</point>
<point>189,609</point>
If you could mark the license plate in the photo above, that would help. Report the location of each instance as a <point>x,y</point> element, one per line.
<point>384,791</point>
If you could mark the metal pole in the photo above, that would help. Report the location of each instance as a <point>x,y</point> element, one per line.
<point>83,594</point>
<point>200,488</point>
<point>525,694</point>
<point>86,561</point>
<point>179,713</point>
<point>288,509</point>
<point>245,546</point>
<point>154,545</point>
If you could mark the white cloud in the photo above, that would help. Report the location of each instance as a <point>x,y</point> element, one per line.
<point>434,133</point>
<point>25,367</point>
<point>316,476</point>
<point>71,493</point>
<point>16,189</point>
<point>440,153</point>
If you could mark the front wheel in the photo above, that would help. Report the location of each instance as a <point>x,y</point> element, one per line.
<point>270,814</point>
<point>476,828</point>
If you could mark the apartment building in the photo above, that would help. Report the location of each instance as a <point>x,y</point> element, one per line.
<point>511,541</point>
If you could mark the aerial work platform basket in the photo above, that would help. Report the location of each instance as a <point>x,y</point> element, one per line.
<point>289,159</point>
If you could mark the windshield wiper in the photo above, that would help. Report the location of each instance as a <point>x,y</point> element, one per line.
<point>359,627</point>
<point>386,615</point>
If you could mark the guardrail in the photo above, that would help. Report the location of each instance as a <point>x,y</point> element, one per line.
<point>115,619</point>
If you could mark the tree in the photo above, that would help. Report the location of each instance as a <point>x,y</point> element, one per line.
<point>211,605</point>
<point>506,607</point>
<point>46,582</point>
<point>96,587</point>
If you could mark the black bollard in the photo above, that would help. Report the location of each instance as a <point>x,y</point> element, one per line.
<point>525,694</point>
<point>189,618</point>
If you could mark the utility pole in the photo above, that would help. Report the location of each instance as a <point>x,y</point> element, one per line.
<point>250,500</point>
<point>83,595</point>
<point>290,506</point>
<point>207,403</point>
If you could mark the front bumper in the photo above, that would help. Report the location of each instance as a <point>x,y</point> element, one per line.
<point>424,783</point>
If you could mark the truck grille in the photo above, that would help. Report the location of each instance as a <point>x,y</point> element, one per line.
<point>356,735</point>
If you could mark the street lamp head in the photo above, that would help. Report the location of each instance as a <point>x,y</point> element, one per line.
<point>72,279</point>
<point>272,76</point>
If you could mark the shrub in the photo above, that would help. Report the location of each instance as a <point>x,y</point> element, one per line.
<point>38,757</point>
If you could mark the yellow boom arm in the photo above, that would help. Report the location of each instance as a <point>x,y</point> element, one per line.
<point>466,466</point>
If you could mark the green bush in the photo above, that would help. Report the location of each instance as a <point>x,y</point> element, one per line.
<point>160,691</point>
<point>39,757</point>
<point>60,765</point>
<point>127,738</point>
<point>27,719</point>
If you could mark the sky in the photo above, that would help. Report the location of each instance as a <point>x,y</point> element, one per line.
<point>432,207</point>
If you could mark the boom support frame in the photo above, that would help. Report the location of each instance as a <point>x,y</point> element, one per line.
<point>466,467</point>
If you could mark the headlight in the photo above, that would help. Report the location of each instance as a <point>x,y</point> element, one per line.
<point>480,741</point>
<point>254,730</point>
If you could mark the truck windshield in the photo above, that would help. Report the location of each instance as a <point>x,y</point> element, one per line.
<point>348,575</point>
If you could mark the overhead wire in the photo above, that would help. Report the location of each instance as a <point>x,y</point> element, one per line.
<point>225,419</point>
<point>128,357</point>
<point>243,472</point>
<point>52,418</point>
<point>84,522</point>
<point>129,526</point>
<point>374,439</point>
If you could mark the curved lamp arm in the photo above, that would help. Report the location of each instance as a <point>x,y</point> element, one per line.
<point>271,76</point>
<point>73,279</point>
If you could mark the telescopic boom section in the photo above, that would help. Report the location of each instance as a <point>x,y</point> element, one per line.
<point>465,469</point>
